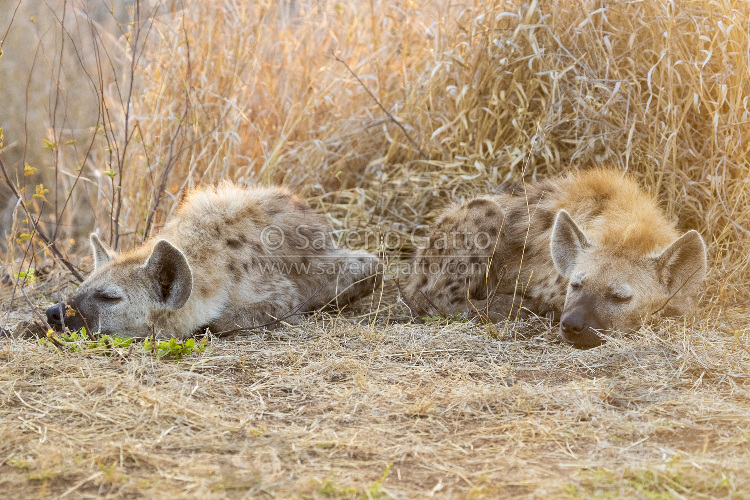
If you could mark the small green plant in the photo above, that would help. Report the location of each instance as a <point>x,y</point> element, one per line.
<point>27,275</point>
<point>642,483</point>
<point>374,492</point>
<point>106,345</point>
<point>82,341</point>
<point>21,463</point>
<point>332,490</point>
<point>441,320</point>
<point>173,348</point>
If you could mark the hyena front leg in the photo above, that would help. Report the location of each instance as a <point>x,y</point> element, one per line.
<point>460,260</point>
<point>286,303</point>
<point>450,301</point>
<point>353,274</point>
<point>452,289</point>
<point>503,306</point>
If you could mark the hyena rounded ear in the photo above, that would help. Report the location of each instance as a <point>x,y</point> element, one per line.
<point>682,266</point>
<point>567,243</point>
<point>102,253</point>
<point>170,273</point>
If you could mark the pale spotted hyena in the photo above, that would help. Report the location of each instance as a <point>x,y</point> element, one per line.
<point>231,258</point>
<point>592,247</point>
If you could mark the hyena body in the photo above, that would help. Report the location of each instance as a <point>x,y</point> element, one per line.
<point>592,247</point>
<point>231,258</point>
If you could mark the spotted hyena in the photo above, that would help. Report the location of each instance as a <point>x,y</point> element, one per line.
<point>231,258</point>
<point>592,247</point>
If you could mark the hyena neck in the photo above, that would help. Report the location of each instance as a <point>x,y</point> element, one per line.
<point>186,320</point>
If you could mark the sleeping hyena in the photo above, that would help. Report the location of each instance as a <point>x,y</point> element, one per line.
<point>231,259</point>
<point>592,247</point>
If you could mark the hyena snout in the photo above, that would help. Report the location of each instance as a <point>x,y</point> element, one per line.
<point>579,328</point>
<point>59,313</point>
<point>54,315</point>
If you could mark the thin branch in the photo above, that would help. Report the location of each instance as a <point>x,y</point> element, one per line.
<point>171,158</point>
<point>20,283</point>
<point>10,24</point>
<point>413,142</point>
<point>34,310</point>
<point>38,230</point>
<point>128,136</point>
<point>98,118</point>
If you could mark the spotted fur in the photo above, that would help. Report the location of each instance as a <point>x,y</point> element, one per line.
<point>230,258</point>
<point>592,247</point>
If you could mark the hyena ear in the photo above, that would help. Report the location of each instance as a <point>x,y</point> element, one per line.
<point>102,253</point>
<point>567,243</point>
<point>170,272</point>
<point>682,266</point>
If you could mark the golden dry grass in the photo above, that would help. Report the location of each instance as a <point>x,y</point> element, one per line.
<point>490,92</point>
<point>321,409</point>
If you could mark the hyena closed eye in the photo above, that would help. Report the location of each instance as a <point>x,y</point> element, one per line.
<point>231,258</point>
<point>592,247</point>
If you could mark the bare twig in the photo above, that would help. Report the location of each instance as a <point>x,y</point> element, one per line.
<point>413,142</point>
<point>10,24</point>
<point>38,229</point>
<point>17,282</point>
<point>676,291</point>
<point>34,310</point>
<point>93,138</point>
<point>172,158</point>
<point>128,136</point>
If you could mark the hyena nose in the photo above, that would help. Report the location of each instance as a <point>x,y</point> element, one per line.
<point>54,315</point>
<point>573,323</point>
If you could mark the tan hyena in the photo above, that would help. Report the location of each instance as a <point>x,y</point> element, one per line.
<point>591,246</point>
<point>231,258</point>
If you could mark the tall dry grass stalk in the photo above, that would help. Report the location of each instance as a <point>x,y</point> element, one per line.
<point>490,91</point>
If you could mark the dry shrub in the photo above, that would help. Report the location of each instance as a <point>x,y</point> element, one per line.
<point>490,92</point>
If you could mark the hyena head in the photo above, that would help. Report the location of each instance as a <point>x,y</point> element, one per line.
<point>617,290</point>
<point>124,292</point>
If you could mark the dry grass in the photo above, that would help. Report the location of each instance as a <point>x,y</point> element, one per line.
<point>490,92</point>
<point>321,409</point>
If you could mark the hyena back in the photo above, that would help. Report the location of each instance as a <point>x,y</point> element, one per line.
<point>231,258</point>
<point>592,247</point>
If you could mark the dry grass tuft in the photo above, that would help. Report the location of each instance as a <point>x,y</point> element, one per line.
<point>320,408</point>
<point>491,92</point>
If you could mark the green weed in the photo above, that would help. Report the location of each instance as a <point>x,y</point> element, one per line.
<point>331,489</point>
<point>82,341</point>
<point>374,491</point>
<point>106,345</point>
<point>173,348</point>
<point>651,484</point>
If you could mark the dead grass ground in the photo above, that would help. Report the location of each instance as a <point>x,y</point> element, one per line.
<point>324,408</point>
